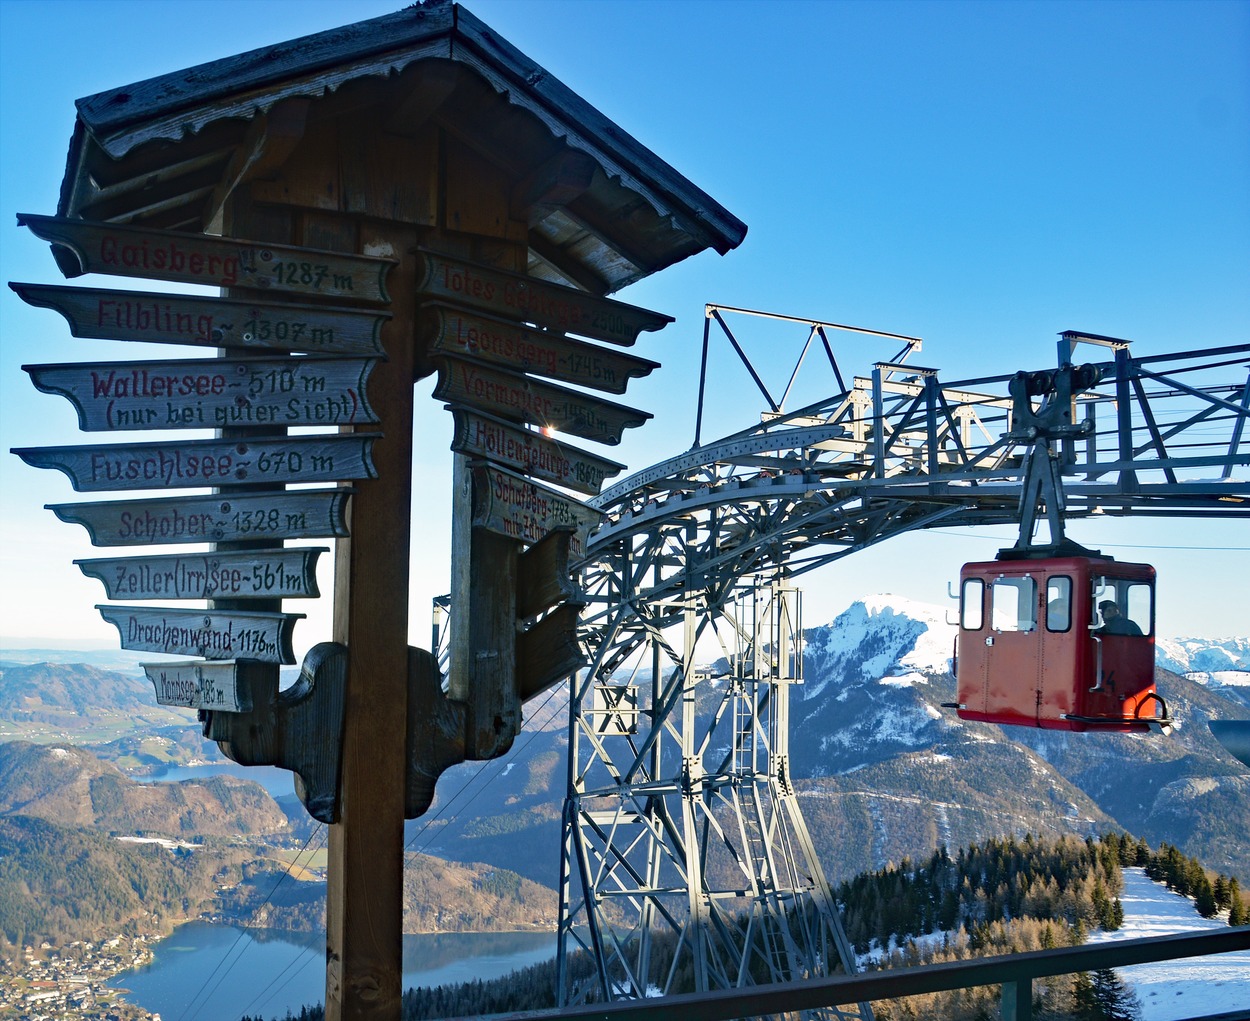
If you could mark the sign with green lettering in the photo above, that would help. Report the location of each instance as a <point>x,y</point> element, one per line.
<point>526,299</point>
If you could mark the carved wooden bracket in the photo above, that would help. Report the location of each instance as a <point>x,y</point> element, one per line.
<point>300,729</point>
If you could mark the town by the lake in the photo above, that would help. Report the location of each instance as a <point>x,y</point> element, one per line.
<point>70,983</point>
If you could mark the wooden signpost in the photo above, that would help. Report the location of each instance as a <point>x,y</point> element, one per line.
<point>521,298</point>
<point>199,684</point>
<point>118,250</point>
<point>513,506</point>
<point>394,198</point>
<point>159,318</point>
<point>183,631</point>
<point>212,394</point>
<point>315,372</point>
<point>193,463</point>
<point>237,574</point>
<point>271,516</point>
<point>492,334</point>
<point>529,452</point>
<point>523,348</point>
<point>512,395</point>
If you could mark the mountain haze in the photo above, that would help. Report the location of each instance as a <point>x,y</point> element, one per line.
<point>883,771</point>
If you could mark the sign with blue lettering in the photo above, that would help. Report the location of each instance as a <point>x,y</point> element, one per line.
<point>215,517</point>
<point>211,634</point>
<point>197,463</point>
<point>198,684</point>
<point>240,574</point>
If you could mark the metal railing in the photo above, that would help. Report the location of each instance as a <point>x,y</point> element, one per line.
<point>1014,972</point>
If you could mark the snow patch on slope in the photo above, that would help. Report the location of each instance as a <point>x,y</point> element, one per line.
<point>1170,990</point>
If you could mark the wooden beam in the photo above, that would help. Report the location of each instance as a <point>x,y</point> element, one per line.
<point>432,81</point>
<point>267,145</point>
<point>364,900</point>
<point>556,182</point>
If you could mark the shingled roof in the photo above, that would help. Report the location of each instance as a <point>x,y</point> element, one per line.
<point>155,153</point>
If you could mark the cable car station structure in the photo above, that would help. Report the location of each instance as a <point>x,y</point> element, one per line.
<point>423,145</point>
<point>682,827</point>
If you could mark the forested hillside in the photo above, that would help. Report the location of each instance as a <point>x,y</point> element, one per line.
<point>62,883</point>
<point>1002,896</point>
<point>439,896</point>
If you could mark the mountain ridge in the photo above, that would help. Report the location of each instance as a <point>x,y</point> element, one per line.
<point>883,772</point>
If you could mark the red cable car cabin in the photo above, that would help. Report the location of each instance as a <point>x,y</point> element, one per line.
<point>1064,643</point>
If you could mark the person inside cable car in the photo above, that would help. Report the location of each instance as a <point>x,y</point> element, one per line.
<point>1114,622</point>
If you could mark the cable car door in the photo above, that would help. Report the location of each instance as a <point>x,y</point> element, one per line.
<point>1122,666</point>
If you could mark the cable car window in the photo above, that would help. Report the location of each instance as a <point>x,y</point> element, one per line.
<point>1058,603</point>
<point>1012,603</point>
<point>1138,599</point>
<point>1123,607</point>
<point>971,604</point>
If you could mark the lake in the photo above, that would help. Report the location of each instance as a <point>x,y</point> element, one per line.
<point>220,972</point>
<point>278,782</point>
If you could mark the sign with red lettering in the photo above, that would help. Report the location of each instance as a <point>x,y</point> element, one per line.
<point>209,322</point>
<point>530,453</point>
<point>212,634</point>
<point>216,517</point>
<point>539,352</point>
<point>213,393</point>
<point>522,399</point>
<point>519,508</point>
<point>198,684</point>
<point>526,299</point>
<point>243,574</point>
<point>194,463</point>
<point>118,250</point>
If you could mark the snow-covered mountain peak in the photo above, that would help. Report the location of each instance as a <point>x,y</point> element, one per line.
<point>880,637</point>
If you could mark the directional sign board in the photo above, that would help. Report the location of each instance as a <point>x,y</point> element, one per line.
<point>197,684</point>
<point>209,322</point>
<point>245,574</point>
<point>514,506</point>
<point>212,393</point>
<point>539,352</point>
<point>83,247</point>
<point>272,516</point>
<point>525,299</point>
<point>510,395</point>
<point>212,634</point>
<point>530,452</point>
<point>195,463</point>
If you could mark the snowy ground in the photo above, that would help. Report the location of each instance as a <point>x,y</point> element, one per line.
<point>1172,990</point>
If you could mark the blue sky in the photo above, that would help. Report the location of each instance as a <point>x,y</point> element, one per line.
<point>981,175</point>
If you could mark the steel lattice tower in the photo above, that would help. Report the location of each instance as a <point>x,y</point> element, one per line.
<point>687,864</point>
